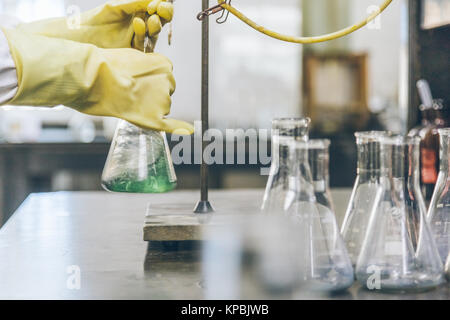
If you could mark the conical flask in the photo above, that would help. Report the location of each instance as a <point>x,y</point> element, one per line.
<point>284,130</point>
<point>323,259</point>
<point>365,189</point>
<point>439,210</point>
<point>139,161</point>
<point>398,252</point>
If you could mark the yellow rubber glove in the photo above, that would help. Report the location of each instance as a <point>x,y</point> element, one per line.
<point>108,26</point>
<point>123,83</point>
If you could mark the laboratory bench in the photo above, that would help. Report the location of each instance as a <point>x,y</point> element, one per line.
<point>97,237</point>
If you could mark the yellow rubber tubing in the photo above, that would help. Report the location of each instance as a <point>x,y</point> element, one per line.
<point>304,40</point>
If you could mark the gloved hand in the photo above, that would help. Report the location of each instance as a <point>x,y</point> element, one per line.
<point>123,83</point>
<point>108,26</point>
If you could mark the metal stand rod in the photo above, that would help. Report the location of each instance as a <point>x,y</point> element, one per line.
<point>203,206</point>
<point>205,98</point>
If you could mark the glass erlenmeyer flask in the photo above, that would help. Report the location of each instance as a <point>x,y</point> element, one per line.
<point>323,259</point>
<point>139,161</point>
<point>365,189</point>
<point>439,210</point>
<point>398,252</point>
<point>283,131</point>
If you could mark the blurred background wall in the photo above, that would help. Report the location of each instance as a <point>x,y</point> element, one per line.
<point>253,79</point>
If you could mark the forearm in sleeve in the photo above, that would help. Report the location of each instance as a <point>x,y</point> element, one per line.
<point>8,74</point>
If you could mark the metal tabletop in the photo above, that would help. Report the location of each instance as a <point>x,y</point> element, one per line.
<point>54,237</point>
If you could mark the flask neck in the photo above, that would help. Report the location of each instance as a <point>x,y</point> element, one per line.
<point>319,163</point>
<point>285,130</point>
<point>369,162</point>
<point>280,151</point>
<point>444,137</point>
<point>401,161</point>
<point>296,128</point>
<point>426,117</point>
<point>366,176</point>
<point>300,179</point>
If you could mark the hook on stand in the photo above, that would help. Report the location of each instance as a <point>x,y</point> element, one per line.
<point>213,10</point>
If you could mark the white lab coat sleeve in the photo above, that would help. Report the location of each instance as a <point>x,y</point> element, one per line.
<point>8,73</point>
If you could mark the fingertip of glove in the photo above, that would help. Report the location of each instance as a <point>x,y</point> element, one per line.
<point>183,131</point>
<point>178,127</point>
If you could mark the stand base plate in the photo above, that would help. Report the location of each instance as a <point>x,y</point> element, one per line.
<point>175,220</point>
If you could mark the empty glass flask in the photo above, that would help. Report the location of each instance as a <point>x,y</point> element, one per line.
<point>284,130</point>
<point>398,252</point>
<point>324,263</point>
<point>439,210</point>
<point>365,190</point>
<point>139,161</point>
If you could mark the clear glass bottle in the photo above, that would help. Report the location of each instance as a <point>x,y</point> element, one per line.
<point>429,148</point>
<point>398,252</point>
<point>139,161</point>
<point>324,263</point>
<point>427,119</point>
<point>284,130</point>
<point>366,187</point>
<point>439,210</point>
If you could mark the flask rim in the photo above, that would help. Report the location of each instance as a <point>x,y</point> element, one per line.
<point>313,144</point>
<point>444,131</point>
<point>371,136</point>
<point>318,143</point>
<point>400,140</point>
<point>296,128</point>
<point>278,123</point>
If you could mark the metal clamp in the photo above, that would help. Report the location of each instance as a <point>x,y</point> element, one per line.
<point>213,10</point>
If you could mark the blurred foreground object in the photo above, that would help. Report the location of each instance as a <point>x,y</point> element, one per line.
<point>260,257</point>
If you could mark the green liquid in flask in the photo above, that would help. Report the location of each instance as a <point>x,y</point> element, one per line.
<point>159,183</point>
<point>139,161</point>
